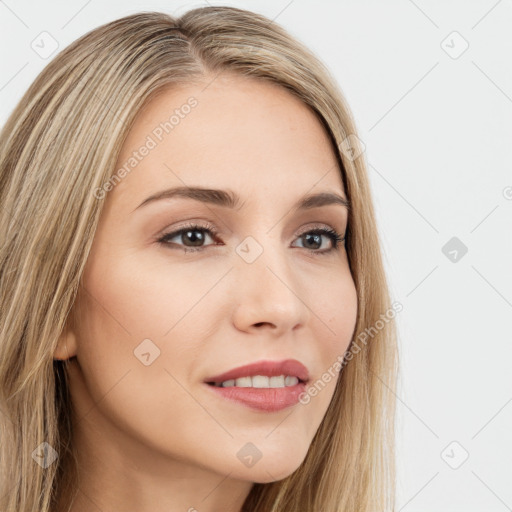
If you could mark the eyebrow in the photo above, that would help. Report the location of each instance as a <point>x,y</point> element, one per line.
<point>229,199</point>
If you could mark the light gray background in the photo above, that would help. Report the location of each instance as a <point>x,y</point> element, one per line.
<point>436,122</point>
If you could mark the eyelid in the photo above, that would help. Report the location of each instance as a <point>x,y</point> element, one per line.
<point>315,225</point>
<point>197,224</point>
<point>208,226</point>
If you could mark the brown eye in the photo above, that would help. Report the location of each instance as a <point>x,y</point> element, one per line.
<point>193,237</point>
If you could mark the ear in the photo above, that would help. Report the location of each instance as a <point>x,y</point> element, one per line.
<point>67,344</point>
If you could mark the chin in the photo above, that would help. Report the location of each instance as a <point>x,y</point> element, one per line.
<point>262,473</point>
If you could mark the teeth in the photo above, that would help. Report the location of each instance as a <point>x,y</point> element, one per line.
<point>260,381</point>
<point>291,381</point>
<point>243,382</point>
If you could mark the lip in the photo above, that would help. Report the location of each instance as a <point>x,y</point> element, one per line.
<point>261,399</point>
<point>267,368</point>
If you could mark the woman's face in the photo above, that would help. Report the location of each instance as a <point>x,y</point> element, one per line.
<point>155,321</point>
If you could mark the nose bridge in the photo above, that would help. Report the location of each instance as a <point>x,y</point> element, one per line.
<point>269,289</point>
<point>262,255</point>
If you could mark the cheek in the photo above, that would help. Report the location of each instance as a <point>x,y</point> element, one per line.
<point>134,313</point>
<point>147,299</point>
<point>334,316</point>
<point>334,307</point>
<point>123,319</point>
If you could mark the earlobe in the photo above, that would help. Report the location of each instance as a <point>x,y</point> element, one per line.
<point>66,346</point>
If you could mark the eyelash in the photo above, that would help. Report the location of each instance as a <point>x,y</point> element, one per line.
<point>333,235</point>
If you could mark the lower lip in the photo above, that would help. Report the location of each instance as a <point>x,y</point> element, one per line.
<point>263,399</point>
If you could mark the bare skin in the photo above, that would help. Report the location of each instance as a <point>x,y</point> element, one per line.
<point>154,437</point>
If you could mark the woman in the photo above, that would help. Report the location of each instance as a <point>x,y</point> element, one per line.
<point>189,268</point>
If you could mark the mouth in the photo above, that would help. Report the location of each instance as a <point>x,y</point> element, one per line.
<point>260,398</point>
<point>263,374</point>
<point>259,382</point>
<point>267,386</point>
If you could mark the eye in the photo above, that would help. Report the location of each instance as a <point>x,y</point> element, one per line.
<point>314,237</point>
<point>194,234</point>
<point>188,234</point>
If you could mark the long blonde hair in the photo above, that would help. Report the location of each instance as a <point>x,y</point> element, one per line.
<point>61,143</point>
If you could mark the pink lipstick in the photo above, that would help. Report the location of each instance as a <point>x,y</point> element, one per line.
<point>265,385</point>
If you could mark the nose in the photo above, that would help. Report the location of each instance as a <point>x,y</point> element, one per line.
<point>268,294</point>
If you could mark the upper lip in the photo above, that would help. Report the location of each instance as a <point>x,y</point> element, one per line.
<point>290,367</point>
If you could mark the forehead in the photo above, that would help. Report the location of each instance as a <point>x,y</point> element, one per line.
<point>233,132</point>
